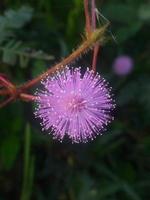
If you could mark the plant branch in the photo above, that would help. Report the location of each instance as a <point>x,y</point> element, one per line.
<point>97,35</point>
<point>94,37</point>
<point>7,84</point>
<point>27,97</point>
<point>97,46</point>
<point>87,19</point>
<point>93,15</point>
<point>4,92</point>
<point>95,55</point>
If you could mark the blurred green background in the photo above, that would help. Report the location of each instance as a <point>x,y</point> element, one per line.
<point>116,166</point>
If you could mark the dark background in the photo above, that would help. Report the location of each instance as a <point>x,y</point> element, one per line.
<point>115,166</point>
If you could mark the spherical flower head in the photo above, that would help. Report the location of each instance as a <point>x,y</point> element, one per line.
<point>123,65</point>
<point>74,105</point>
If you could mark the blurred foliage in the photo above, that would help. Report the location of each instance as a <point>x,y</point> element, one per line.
<point>10,22</point>
<point>115,165</point>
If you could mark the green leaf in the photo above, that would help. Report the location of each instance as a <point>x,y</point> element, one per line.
<point>17,19</point>
<point>9,52</point>
<point>9,57</point>
<point>12,20</point>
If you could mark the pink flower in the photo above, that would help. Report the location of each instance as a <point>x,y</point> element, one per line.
<point>123,65</point>
<point>74,105</point>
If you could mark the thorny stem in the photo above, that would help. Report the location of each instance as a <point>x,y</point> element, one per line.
<point>93,37</point>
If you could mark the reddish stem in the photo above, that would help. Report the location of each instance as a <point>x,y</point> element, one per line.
<point>97,46</point>
<point>4,92</point>
<point>93,15</point>
<point>87,18</point>
<point>7,84</point>
<point>95,54</point>
<point>27,97</point>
